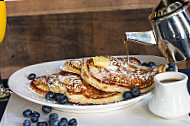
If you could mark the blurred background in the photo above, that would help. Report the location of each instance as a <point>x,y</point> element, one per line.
<point>47,30</point>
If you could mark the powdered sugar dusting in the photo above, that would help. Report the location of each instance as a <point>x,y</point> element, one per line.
<point>119,72</point>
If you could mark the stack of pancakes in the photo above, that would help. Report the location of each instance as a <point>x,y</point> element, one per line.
<point>85,82</point>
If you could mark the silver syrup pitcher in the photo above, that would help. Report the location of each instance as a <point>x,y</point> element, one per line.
<point>170,22</point>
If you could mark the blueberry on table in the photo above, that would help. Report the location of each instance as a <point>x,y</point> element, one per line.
<point>54,122</point>
<point>144,64</point>
<point>72,122</point>
<point>135,92</point>
<point>36,114</point>
<point>151,64</point>
<point>27,113</point>
<point>127,95</point>
<point>53,116</point>
<point>31,76</point>
<point>49,95</point>
<point>26,123</point>
<point>46,109</point>
<point>34,119</point>
<point>64,100</point>
<point>42,124</point>
<point>63,122</point>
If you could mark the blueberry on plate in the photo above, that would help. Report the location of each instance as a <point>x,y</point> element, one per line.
<point>31,76</point>
<point>46,109</point>
<point>49,95</point>
<point>135,92</point>
<point>127,95</point>
<point>53,116</point>
<point>151,64</point>
<point>171,64</point>
<point>59,96</point>
<point>171,67</point>
<point>36,114</point>
<point>34,119</point>
<point>42,124</point>
<point>72,122</point>
<point>63,122</point>
<point>145,64</point>
<point>63,100</point>
<point>27,113</point>
<point>26,123</point>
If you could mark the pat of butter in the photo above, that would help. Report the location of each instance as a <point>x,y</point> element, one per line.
<point>101,61</point>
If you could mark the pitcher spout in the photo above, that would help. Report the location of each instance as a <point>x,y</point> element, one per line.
<point>141,37</point>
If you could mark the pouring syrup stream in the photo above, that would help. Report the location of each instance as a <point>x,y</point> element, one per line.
<point>127,51</point>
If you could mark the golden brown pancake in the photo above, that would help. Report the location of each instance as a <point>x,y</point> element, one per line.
<point>75,89</point>
<point>39,85</point>
<point>118,76</point>
<point>73,65</point>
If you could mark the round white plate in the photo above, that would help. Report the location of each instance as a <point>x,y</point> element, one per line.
<point>19,84</point>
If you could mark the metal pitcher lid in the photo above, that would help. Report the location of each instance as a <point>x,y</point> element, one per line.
<point>166,7</point>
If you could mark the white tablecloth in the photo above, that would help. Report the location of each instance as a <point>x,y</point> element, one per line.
<point>136,115</point>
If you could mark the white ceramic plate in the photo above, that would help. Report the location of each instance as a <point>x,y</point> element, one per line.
<point>19,84</point>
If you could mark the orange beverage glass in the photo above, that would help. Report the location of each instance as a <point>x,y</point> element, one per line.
<point>4,92</point>
<point>3,20</point>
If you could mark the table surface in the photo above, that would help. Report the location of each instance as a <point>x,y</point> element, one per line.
<point>137,114</point>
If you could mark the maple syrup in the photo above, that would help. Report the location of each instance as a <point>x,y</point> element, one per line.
<point>127,51</point>
<point>169,80</point>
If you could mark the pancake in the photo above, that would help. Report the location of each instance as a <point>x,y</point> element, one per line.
<point>39,85</point>
<point>77,91</point>
<point>132,60</point>
<point>118,76</point>
<point>73,65</point>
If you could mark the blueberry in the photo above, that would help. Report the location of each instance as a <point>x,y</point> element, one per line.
<point>27,113</point>
<point>46,109</point>
<point>144,64</point>
<point>63,122</point>
<point>151,64</point>
<point>26,123</point>
<point>135,92</point>
<point>49,95</point>
<point>64,100</point>
<point>53,116</point>
<point>34,119</point>
<point>171,64</point>
<point>36,114</point>
<point>42,124</point>
<point>54,122</point>
<point>31,76</point>
<point>59,96</point>
<point>72,122</point>
<point>127,95</point>
<point>171,67</point>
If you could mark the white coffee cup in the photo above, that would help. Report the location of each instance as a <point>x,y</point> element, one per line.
<point>170,100</point>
